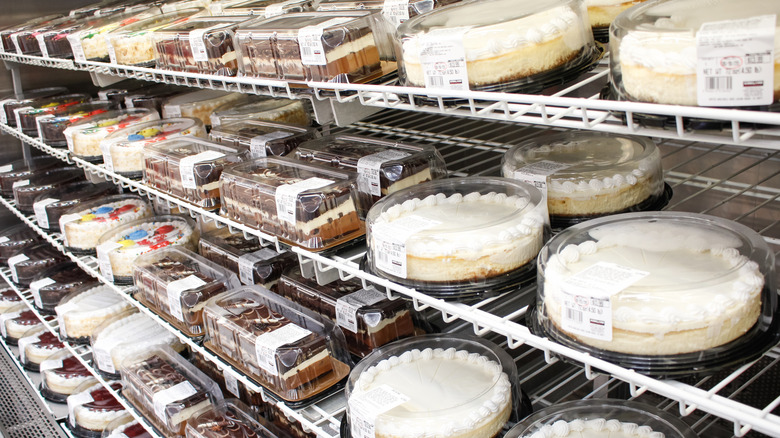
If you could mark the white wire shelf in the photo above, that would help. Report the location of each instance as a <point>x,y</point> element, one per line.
<point>313,419</point>
<point>575,105</point>
<point>472,147</point>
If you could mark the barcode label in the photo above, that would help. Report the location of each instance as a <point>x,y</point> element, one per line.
<point>388,242</point>
<point>187,167</point>
<point>735,62</point>
<point>231,383</point>
<point>348,306</point>
<point>396,11</point>
<point>310,41</point>
<point>198,46</point>
<point>722,83</point>
<point>365,407</point>
<point>443,59</point>
<point>287,197</point>
<point>267,344</point>
<point>574,315</point>
<point>369,169</point>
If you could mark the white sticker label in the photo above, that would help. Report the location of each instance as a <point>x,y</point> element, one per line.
<point>68,133</point>
<point>20,183</point>
<point>735,65</point>
<point>214,120</point>
<point>587,304</point>
<point>38,121</point>
<point>174,291</point>
<point>310,41</point>
<point>258,143</point>
<point>267,344</point>
<point>35,288</point>
<point>4,239</point>
<point>537,174</point>
<point>369,167</point>
<point>389,242</point>
<point>22,345</point>
<point>40,211</point>
<point>187,167</point>
<point>50,364</point>
<point>246,264</point>
<point>76,400</point>
<point>396,11</point>
<point>274,10</point>
<point>287,195</point>
<point>198,46</point>
<point>366,407</point>
<point>105,148</point>
<point>75,44</point>
<point>171,111</point>
<point>231,383</point>
<point>348,306</point>
<point>64,219</point>
<point>3,115</point>
<point>111,55</point>
<point>13,261</point>
<point>61,310</point>
<point>443,59</point>
<point>42,45</point>
<point>162,399</point>
<point>104,261</point>
<point>6,168</point>
<point>103,360</point>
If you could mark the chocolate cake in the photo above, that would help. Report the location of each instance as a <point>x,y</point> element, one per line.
<point>262,138</point>
<point>230,419</point>
<point>33,260</point>
<point>22,170</point>
<point>9,103</point>
<point>25,116</point>
<point>16,239</point>
<point>51,206</point>
<point>93,412</point>
<point>51,129</point>
<point>25,194</point>
<point>366,316</point>
<point>52,285</point>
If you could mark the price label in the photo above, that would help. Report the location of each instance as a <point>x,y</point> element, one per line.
<point>22,345</point>
<point>187,167</point>
<point>310,41</point>
<point>68,133</point>
<point>13,261</point>
<point>369,169</point>
<point>40,211</point>
<point>111,56</point>
<point>42,45</point>
<point>162,399</point>
<point>257,144</point>
<point>176,288</point>
<point>365,407</point>
<point>105,148</point>
<point>389,242</point>
<point>35,288</point>
<point>443,59</point>
<point>287,195</point>
<point>587,304</point>
<point>62,310</point>
<point>75,401</point>
<point>198,47</point>
<point>246,263</point>
<point>50,364</point>
<point>20,183</point>
<point>65,219</point>
<point>4,239</point>
<point>735,62</point>
<point>396,11</point>
<point>348,306</point>
<point>171,111</point>
<point>274,10</point>
<point>231,383</point>
<point>103,360</point>
<point>267,344</point>
<point>75,44</point>
<point>104,260</point>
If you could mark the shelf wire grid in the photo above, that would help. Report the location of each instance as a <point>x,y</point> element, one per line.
<point>473,147</point>
<point>575,105</point>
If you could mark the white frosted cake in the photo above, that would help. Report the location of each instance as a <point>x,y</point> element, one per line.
<point>64,374</point>
<point>452,393</point>
<point>699,292</point>
<point>502,40</point>
<point>84,137</point>
<point>127,337</point>
<point>87,310</point>
<point>82,229</point>
<point>474,236</point>
<point>594,174</point>
<point>96,408</point>
<point>125,245</point>
<point>657,49</point>
<point>602,12</point>
<point>39,347</point>
<point>595,428</point>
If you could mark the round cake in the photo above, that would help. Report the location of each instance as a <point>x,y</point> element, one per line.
<point>8,299</point>
<point>18,323</point>
<point>587,173</point>
<point>84,137</point>
<point>502,41</point>
<point>119,248</point>
<point>61,374</point>
<point>451,393</point>
<point>38,348</point>
<point>96,410</point>
<point>655,48</point>
<point>81,314</point>
<point>601,13</point>
<point>694,289</point>
<point>83,226</point>
<point>472,228</point>
<point>123,150</point>
<point>596,428</point>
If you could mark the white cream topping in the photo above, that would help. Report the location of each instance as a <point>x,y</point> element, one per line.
<point>451,392</point>
<point>595,428</point>
<point>496,39</point>
<point>469,223</point>
<point>695,275</point>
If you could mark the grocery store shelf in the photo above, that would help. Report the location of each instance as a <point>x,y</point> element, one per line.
<point>738,183</point>
<point>577,105</point>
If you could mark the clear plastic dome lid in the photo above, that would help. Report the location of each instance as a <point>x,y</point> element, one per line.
<point>656,283</point>
<point>153,131</point>
<point>601,417</point>
<point>434,385</point>
<point>455,230</point>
